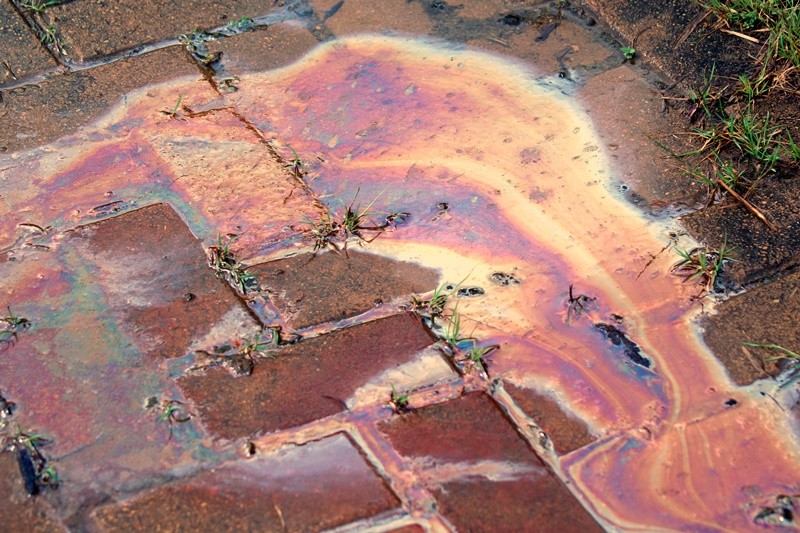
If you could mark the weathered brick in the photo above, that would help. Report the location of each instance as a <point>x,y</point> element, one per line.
<point>311,289</point>
<point>21,55</point>
<point>776,306</point>
<point>305,381</point>
<point>95,28</point>
<point>565,431</point>
<point>481,472</point>
<point>313,487</point>
<point>158,283</point>
<point>38,114</point>
<point>263,49</point>
<point>372,15</point>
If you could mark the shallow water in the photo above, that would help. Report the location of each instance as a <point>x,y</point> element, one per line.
<point>407,125</point>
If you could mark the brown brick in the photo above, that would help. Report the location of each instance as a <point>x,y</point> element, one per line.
<point>158,283</point>
<point>263,49</point>
<point>764,315</point>
<point>311,289</point>
<point>95,28</point>
<point>565,431</point>
<point>305,381</point>
<point>38,114</point>
<point>318,486</point>
<point>373,15</point>
<point>481,472</point>
<point>21,55</point>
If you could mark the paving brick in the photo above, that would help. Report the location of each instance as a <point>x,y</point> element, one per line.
<point>305,381</point>
<point>568,46</point>
<point>481,472</point>
<point>21,55</point>
<point>264,49</point>
<point>764,315</point>
<point>156,278</point>
<point>95,28</point>
<point>373,15</point>
<point>20,511</point>
<point>311,289</point>
<point>318,486</point>
<point>565,431</point>
<point>38,114</point>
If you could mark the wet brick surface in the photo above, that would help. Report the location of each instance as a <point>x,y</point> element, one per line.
<point>309,488</point>
<point>156,276</point>
<point>646,172</point>
<point>18,510</point>
<point>305,381</point>
<point>482,473</point>
<point>94,28</point>
<point>566,432</point>
<point>41,113</point>
<point>736,321</point>
<point>311,289</point>
<point>21,55</point>
<point>263,49</point>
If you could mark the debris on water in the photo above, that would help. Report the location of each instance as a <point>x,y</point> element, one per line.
<point>618,338</point>
<point>577,303</point>
<point>780,514</point>
<point>545,32</point>
<point>6,408</point>
<point>28,469</point>
<point>502,278</point>
<point>511,20</point>
<point>467,292</point>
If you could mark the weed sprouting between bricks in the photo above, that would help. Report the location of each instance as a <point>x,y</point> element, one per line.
<point>465,350</point>
<point>10,327</point>
<point>225,265</point>
<point>784,354</point>
<point>353,223</point>
<point>703,264</point>
<point>399,402</point>
<point>169,411</point>
<point>240,355</point>
<point>33,465</point>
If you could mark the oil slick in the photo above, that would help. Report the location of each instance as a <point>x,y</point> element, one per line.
<point>528,212</point>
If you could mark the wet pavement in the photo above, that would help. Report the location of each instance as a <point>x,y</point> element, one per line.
<point>280,275</point>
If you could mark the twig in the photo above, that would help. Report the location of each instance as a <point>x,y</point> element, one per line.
<point>753,209</point>
<point>690,28</point>
<point>742,35</point>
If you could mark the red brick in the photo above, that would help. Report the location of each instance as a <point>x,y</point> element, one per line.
<point>481,472</point>
<point>311,289</point>
<point>94,28</point>
<point>309,488</point>
<point>41,113</point>
<point>158,283</point>
<point>565,431</point>
<point>22,53</point>
<point>263,49</point>
<point>305,381</point>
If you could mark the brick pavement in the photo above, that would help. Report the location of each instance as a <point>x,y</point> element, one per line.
<point>192,414</point>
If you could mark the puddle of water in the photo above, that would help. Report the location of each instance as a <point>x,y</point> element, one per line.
<point>415,125</point>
